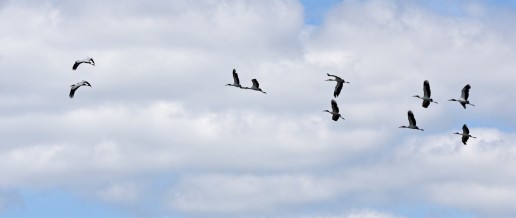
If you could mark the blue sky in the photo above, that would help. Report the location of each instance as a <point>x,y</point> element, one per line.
<point>159,135</point>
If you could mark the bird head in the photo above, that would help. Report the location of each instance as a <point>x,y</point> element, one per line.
<point>416,96</point>
<point>402,127</point>
<point>457,133</point>
<point>452,100</point>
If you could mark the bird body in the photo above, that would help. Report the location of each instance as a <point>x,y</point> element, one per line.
<point>465,134</point>
<point>236,81</point>
<point>426,95</point>
<point>255,87</point>
<point>335,111</point>
<point>412,122</point>
<point>87,60</point>
<point>74,87</point>
<point>464,97</point>
<point>338,86</point>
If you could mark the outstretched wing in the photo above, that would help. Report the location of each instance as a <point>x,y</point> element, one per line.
<point>426,89</point>
<point>255,83</point>
<point>465,139</point>
<point>426,103</point>
<point>338,87</point>
<point>465,92</point>
<point>335,117</point>
<point>411,119</point>
<point>465,129</point>
<point>72,91</point>
<point>334,107</point>
<point>235,77</point>
<point>76,65</point>
<point>336,77</point>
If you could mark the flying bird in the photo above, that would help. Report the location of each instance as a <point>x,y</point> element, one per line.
<point>426,97</point>
<point>338,87</point>
<point>255,87</point>
<point>87,61</point>
<point>334,111</point>
<point>412,122</point>
<point>236,81</point>
<point>464,97</point>
<point>465,134</point>
<point>76,86</point>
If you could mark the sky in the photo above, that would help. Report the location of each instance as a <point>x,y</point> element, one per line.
<point>159,135</point>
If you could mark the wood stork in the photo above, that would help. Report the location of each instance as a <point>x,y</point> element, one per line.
<point>465,134</point>
<point>464,97</point>
<point>255,87</point>
<point>236,81</point>
<point>412,122</point>
<point>87,60</point>
<point>338,87</point>
<point>335,111</point>
<point>426,96</point>
<point>76,86</point>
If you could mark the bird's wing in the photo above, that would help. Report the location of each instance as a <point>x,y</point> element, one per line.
<point>334,106</point>
<point>426,89</point>
<point>235,77</point>
<point>76,65</point>
<point>336,77</point>
<point>465,139</point>
<point>465,92</point>
<point>72,91</point>
<point>86,83</point>
<point>335,117</point>
<point>465,129</point>
<point>92,62</point>
<point>411,119</point>
<point>426,103</point>
<point>255,83</point>
<point>338,87</point>
<point>463,105</point>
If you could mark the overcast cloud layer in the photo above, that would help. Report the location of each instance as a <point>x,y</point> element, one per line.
<point>158,127</point>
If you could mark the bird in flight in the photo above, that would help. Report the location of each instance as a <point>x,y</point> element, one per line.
<point>412,122</point>
<point>86,60</point>
<point>74,87</point>
<point>334,111</point>
<point>255,87</point>
<point>464,97</point>
<point>465,134</point>
<point>236,81</point>
<point>426,95</point>
<point>338,87</point>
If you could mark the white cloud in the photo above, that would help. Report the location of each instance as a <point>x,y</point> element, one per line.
<point>246,193</point>
<point>158,105</point>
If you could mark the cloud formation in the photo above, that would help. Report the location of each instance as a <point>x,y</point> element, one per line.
<point>158,107</point>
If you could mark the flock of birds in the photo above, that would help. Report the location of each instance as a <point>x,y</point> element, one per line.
<point>75,86</point>
<point>335,114</point>
<point>463,100</point>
